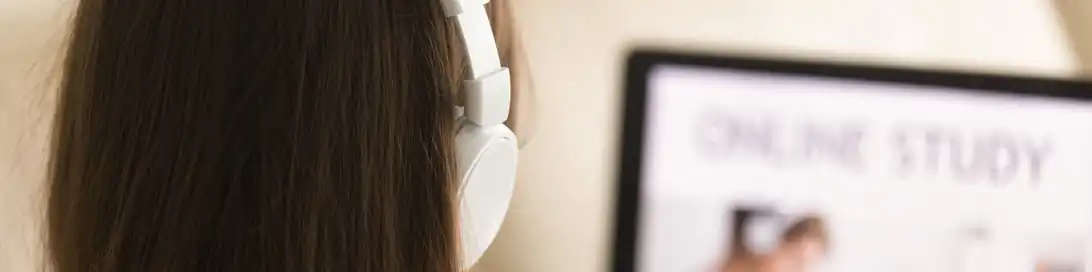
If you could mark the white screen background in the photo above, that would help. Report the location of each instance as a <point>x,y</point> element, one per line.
<point>880,222</point>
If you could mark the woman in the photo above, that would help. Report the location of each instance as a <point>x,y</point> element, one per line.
<point>794,243</point>
<point>272,135</point>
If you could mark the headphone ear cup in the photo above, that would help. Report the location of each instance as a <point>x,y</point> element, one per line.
<point>763,235</point>
<point>487,159</point>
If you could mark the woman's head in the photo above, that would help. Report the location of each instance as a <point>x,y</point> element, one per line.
<point>776,241</point>
<point>803,244</point>
<point>275,135</point>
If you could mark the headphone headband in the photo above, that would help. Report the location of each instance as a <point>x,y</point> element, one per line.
<point>487,150</point>
<point>488,93</point>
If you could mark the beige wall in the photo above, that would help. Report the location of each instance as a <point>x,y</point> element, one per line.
<point>1077,23</point>
<point>30,36</point>
<point>560,219</point>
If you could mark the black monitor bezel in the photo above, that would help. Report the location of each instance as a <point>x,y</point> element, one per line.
<point>641,62</point>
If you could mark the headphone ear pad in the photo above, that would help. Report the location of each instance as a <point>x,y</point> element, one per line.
<point>762,235</point>
<point>487,175</point>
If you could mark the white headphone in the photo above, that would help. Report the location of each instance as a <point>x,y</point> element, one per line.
<point>763,231</point>
<point>487,149</point>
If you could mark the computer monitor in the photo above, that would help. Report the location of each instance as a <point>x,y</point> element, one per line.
<point>743,164</point>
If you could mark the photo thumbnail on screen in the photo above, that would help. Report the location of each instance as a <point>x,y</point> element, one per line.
<point>768,239</point>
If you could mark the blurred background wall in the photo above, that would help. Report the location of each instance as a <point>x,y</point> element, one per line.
<point>31,33</point>
<point>561,217</point>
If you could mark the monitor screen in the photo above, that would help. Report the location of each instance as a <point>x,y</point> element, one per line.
<point>743,170</point>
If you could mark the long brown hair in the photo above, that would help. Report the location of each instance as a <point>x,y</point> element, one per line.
<point>809,227</point>
<point>273,135</point>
